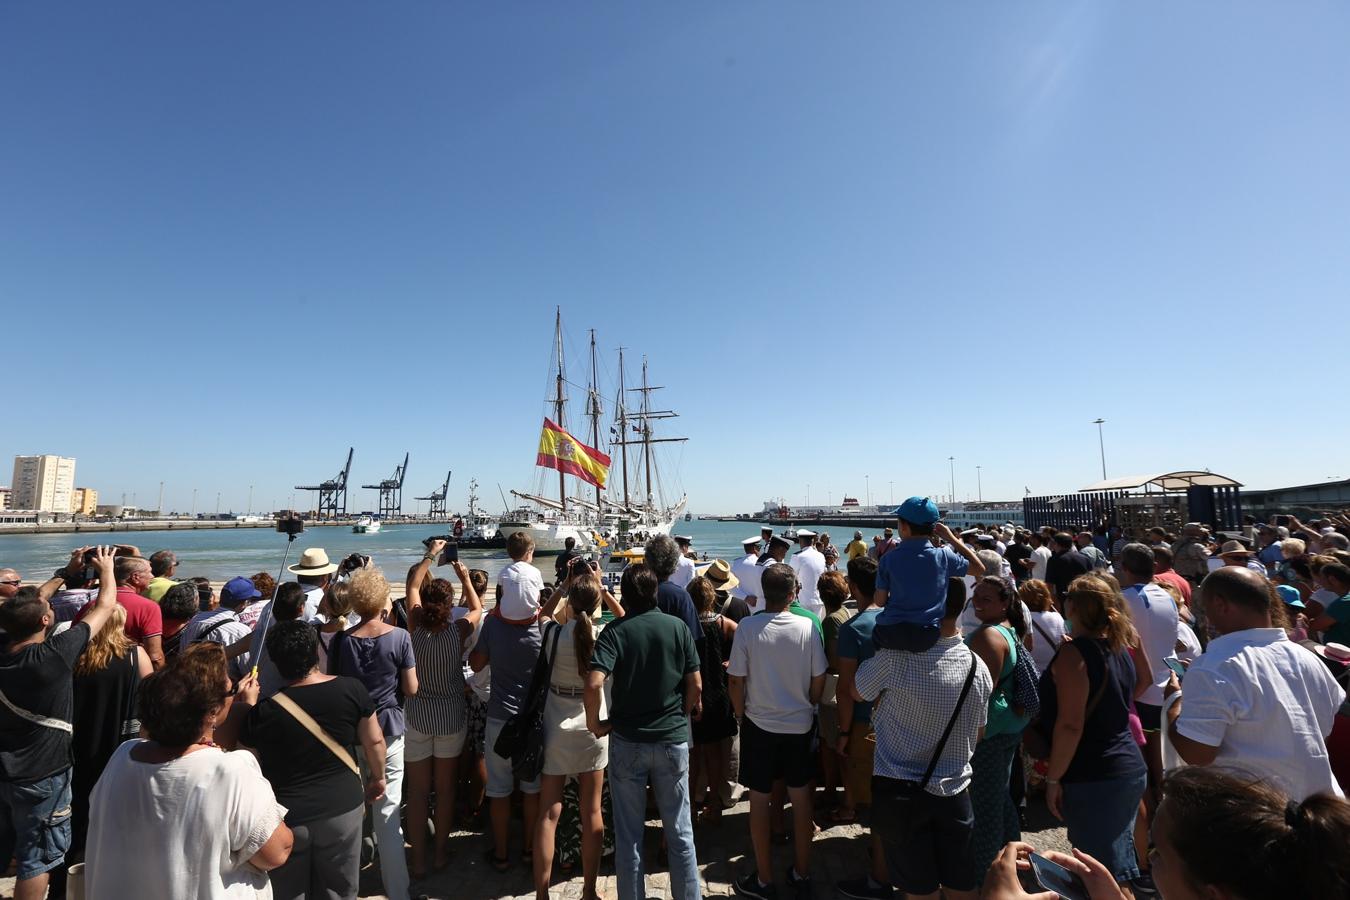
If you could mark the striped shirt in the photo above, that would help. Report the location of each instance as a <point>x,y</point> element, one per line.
<point>438,706</point>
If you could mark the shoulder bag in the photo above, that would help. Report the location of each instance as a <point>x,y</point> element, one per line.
<point>521,739</point>
<point>314,728</point>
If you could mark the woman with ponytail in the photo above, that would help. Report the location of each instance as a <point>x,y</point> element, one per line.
<point>1096,773</point>
<point>570,751</point>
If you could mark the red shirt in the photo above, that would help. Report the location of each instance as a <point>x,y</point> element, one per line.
<point>1181,584</point>
<point>143,616</point>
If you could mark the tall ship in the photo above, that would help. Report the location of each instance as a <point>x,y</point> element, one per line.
<point>588,505</point>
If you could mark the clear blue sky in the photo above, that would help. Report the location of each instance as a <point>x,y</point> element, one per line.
<point>853,240</point>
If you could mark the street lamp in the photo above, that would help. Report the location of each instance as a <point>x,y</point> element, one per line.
<point>951,462</point>
<point>867,479</point>
<point>892,484</point>
<point>979,484</point>
<point>1101,444</point>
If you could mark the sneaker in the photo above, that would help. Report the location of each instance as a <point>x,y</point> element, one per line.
<point>800,887</point>
<point>861,889</point>
<point>1143,886</point>
<point>749,886</point>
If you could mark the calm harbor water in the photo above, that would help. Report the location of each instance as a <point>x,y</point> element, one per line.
<point>225,553</point>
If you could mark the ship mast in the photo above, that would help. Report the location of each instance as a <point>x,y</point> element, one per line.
<point>645,416</point>
<point>594,409</point>
<point>560,402</point>
<point>623,431</point>
<point>647,430</point>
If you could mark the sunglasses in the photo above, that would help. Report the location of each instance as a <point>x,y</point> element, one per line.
<point>13,581</point>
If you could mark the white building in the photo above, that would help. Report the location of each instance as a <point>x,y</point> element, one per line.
<point>42,483</point>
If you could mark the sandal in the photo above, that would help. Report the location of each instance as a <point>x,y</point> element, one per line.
<point>498,863</point>
<point>837,816</point>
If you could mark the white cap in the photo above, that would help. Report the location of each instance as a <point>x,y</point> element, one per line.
<point>520,586</point>
<point>748,541</point>
<point>684,538</point>
<point>804,533</point>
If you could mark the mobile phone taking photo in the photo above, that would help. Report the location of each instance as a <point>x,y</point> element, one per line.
<point>1054,877</point>
<point>1175,665</point>
<point>449,554</point>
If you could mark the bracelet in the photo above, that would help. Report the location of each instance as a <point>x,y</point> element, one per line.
<point>1052,781</point>
<point>428,558</point>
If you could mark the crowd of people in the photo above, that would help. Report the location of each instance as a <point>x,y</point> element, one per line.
<point>1178,701</point>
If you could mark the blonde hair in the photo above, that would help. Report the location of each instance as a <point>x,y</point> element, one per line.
<point>1036,595</point>
<point>1097,608</point>
<point>110,643</point>
<point>368,592</point>
<point>1292,547</point>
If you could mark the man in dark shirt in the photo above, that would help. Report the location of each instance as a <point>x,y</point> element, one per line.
<point>1017,553</point>
<point>662,555</point>
<point>656,687</point>
<point>36,703</point>
<point>564,561</point>
<point>1065,564</point>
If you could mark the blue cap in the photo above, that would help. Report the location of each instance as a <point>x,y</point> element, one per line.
<point>237,590</point>
<point>1290,596</point>
<point>919,510</point>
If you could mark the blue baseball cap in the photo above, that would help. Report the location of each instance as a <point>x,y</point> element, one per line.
<point>237,590</point>
<point>1290,596</point>
<point>919,510</point>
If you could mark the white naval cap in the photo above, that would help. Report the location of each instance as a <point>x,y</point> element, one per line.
<point>748,541</point>
<point>803,533</point>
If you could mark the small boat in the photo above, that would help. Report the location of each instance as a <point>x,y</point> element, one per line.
<point>366,525</point>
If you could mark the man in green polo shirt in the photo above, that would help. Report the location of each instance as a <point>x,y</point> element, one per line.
<point>654,667</point>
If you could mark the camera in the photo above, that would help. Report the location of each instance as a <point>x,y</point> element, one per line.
<point>449,554</point>
<point>289,523</point>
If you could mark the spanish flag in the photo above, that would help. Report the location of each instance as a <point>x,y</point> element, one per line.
<point>559,450</point>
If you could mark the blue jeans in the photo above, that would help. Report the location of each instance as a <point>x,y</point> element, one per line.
<point>35,823</point>
<point>631,764</point>
<point>1100,819</point>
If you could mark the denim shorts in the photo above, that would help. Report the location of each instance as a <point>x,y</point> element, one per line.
<point>501,781</point>
<point>35,823</point>
<point>1100,819</point>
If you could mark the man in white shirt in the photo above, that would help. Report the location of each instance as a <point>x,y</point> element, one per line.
<point>1155,616</point>
<point>777,674</point>
<point>747,573</point>
<point>1254,700</point>
<point>1040,555</point>
<point>684,568</point>
<point>809,564</point>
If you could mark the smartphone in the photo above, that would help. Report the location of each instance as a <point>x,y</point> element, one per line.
<point>1280,520</point>
<point>449,555</point>
<point>1175,665</point>
<point>1054,877</point>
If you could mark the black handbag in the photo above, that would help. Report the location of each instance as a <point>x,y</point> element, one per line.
<point>521,739</point>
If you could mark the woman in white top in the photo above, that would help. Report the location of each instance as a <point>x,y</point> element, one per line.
<point>175,816</point>
<point>569,748</point>
<point>1047,625</point>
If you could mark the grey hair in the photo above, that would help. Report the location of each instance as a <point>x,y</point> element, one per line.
<point>1335,539</point>
<point>662,556</point>
<point>1137,559</point>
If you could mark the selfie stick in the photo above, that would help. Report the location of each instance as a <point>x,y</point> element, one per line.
<point>264,620</point>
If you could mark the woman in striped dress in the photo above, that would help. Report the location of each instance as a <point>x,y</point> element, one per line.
<point>436,713</point>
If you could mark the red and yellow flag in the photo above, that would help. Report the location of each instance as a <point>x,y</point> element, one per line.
<point>559,450</point>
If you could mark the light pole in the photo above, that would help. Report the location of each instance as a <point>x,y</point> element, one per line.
<point>250,500</point>
<point>892,484</point>
<point>979,484</point>
<point>1101,444</point>
<point>867,479</point>
<point>194,503</point>
<point>159,508</point>
<point>217,504</point>
<point>808,495</point>
<point>951,462</point>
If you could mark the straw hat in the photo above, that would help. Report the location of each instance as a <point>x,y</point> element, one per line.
<point>313,561</point>
<point>1234,548</point>
<point>1334,652</point>
<point>719,573</point>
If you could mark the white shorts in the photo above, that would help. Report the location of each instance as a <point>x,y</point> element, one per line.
<point>501,781</point>
<point>419,746</point>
